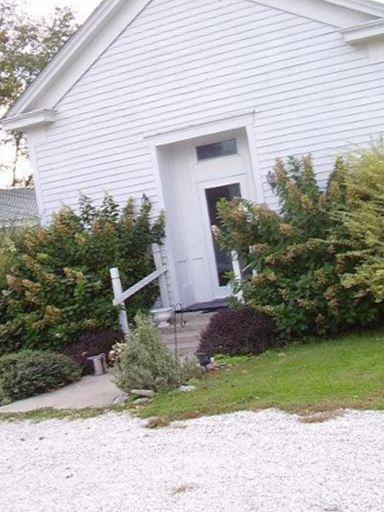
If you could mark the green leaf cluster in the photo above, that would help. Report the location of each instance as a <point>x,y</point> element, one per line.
<point>27,45</point>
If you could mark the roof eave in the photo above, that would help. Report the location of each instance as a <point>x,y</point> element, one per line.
<point>28,120</point>
<point>365,32</point>
<point>365,6</point>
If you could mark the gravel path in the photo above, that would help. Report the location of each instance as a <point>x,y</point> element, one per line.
<point>259,462</point>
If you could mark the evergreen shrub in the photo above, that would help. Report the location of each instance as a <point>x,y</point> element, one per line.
<point>31,373</point>
<point>364,222</point>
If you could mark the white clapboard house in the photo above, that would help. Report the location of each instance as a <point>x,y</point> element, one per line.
<point>188,101</point>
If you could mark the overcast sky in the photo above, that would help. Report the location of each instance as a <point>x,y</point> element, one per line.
<point>42,7</point>
<point>83,7</point>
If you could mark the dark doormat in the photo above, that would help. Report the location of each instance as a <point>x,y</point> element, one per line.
<point>207,307</point>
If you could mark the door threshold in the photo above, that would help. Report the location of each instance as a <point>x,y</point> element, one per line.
<point>206,307</point>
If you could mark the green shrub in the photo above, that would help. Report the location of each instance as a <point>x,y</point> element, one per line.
<point>299,253</point>
<point>57,277</point>
<point>143,362</point>
<point>364,221</point>
<point>238,331</point>
<point>31,373</point>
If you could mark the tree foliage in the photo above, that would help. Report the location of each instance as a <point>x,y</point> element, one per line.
<point>26,47</point>
<point>55,280</point>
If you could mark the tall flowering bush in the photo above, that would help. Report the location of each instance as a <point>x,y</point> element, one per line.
<point>56,283</point>
<point>364,221</point>
<point>299,253</point>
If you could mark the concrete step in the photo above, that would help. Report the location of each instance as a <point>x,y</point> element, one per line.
<point>184,337</point>
<point>195,315</point>
<point>194,319</point>
<point>196,329</point>
<point>184,346</point>
<point>188,337</point>
<point>191,344</point>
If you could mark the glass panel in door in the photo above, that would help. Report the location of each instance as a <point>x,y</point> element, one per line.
<point>223,260</point>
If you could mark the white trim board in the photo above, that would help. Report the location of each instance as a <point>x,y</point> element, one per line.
<point>367,6</point>
<point>30,119</point>
<point>193,132</point>
<point>364,32</point>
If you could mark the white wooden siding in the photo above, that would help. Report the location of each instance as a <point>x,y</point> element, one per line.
<point>186,62</point>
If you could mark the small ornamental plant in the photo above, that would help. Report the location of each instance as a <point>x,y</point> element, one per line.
<point>143,361</point>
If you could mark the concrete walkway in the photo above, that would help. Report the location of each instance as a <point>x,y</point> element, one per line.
<point>100,391</point>
<point>89,392</point>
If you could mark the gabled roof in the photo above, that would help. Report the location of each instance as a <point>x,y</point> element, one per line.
<point>83,39</point>
<point>18,205</point>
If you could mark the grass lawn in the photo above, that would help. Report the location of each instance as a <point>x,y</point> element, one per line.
<point>323,376</point>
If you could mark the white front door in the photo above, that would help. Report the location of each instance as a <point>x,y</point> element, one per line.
<point>202,171</point>
<point>218,261</point>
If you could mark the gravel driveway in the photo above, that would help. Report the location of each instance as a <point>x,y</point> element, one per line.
<point>259,462</point>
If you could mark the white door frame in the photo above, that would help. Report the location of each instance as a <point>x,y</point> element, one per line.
<point>157,141</point>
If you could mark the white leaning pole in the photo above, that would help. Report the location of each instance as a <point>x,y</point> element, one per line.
<point>238,274</point>
<point>117,292</point>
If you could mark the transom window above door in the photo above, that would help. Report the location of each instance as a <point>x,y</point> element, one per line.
<point>217,149</point>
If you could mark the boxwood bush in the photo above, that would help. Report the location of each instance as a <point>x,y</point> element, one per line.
<point>31,373</point>
<point>238,331</point>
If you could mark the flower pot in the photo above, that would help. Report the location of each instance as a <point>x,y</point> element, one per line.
<point>162,317</point>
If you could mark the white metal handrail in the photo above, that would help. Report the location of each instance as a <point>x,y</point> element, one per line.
<point>137,287</point>
<point>121,296</point>
<point>239,273</point>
